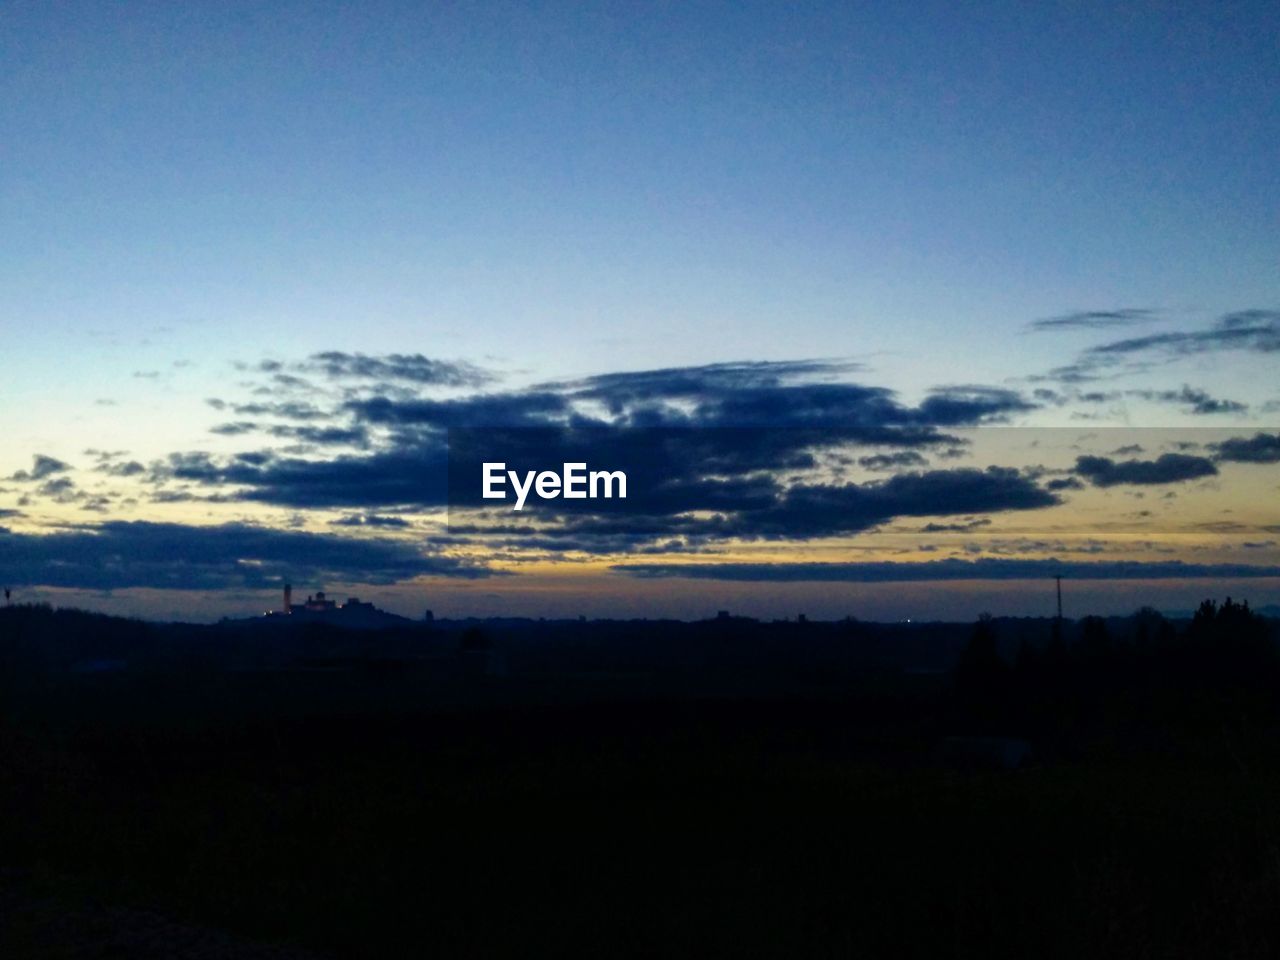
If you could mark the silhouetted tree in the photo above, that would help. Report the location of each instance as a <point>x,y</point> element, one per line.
<point>984,678</point>
<point>1095,640</point>
<point>1152,631</point>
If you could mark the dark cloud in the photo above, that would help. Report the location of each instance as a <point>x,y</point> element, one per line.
<point>286,381</point>
<point>935,570</point>
<point>663,489</point>
<point>535,408</point>
<point>1255,331</point>
<point>1094,320</point>
<point>1196,401</point>
<point>117,555</point>
<point>817,510</point>
<point>324,436</point>
<point>710,452</point>
<point>959,406</point>
<point>778,394</point>
<point>130,468</point>
<point>892,461</point>
<point>414,368</point>
<point>42,467</point>
<point>1071,374</point>
<point>59,490</point>
<point>632,387</point>
<point>1260,448</point>
<point>769,511</point>
<point>963,527</point>
<point>234,429</point>
<point>417,478</point>
<point>1167,468</point>
<point>287,409</point>
<point>370,520</point>
<point>710,398</point>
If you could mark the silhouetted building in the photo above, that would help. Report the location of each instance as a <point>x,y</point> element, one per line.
<point>354,613</point>
<point>318,603</point>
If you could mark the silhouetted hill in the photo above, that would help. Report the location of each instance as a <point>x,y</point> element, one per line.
<point>641,788</point>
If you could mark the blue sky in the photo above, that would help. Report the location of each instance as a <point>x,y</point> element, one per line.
<point>554,192</point>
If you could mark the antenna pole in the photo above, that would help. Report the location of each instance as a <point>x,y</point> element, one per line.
<point>1059,579</point>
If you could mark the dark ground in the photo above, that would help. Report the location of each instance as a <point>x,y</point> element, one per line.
<point>362,812</point>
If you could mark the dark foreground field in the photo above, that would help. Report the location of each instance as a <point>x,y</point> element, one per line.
<point>828,824</point>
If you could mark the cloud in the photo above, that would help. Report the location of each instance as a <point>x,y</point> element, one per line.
<point>769,511</point>
<point>779,394</point>
<point>891,461</point>
<point>711,452</point>
<point>329,436</point>
<point>1255,331</point>
<point>630,387</point>
<point>62,489</point>
<point>234,429</point>
<point>1197,401</point>
<point>288,409</point>
<point>534,408</point>
<point>325,436</point>
<point>1094,320</point>
<point>118,555</point>
<point>417,478</point>
<point>957,406</point>
<point>1260,448</point>
<point>42,468</point>
<point>820,510</point>
<point>410,367</point>
<point>941,570</point>
<point>286,381</point>
<point>964,527</point>
<point>672,475</point>
<point>1167,468</point>
<point>370,520</point>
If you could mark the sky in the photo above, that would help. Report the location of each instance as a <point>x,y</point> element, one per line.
<point>261,264</point>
